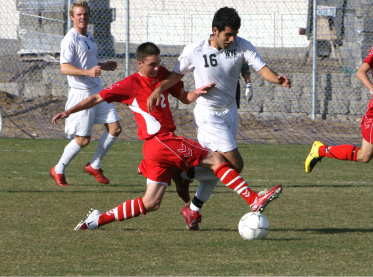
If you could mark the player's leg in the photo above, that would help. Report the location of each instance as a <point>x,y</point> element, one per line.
<point>106,114</point>
<point>71,150</point>
<point>151,201</point>
<point>94,166</point>
<point>79,124</point>
<point>232,179</point>
<point>365,153</point>
<point>345,152</point>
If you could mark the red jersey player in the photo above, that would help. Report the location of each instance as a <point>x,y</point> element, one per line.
<point>347,151</point>
<point>162,150</point>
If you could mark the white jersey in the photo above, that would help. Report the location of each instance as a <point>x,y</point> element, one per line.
<point>220,66</point>
<point>81,52</point>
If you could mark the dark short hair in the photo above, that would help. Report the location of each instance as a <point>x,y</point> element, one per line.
<point>226,17</point>
<point>146,49</point>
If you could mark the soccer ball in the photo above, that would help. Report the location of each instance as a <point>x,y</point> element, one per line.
<point>253,226</point>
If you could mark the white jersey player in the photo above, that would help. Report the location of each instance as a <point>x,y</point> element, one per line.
<point>79,62</point>
<point>217,58</point>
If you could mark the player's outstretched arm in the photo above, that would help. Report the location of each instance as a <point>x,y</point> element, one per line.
<point>85,104</point>
<point>189,97</point>
<point>270,76</point>
<point>154,99</point>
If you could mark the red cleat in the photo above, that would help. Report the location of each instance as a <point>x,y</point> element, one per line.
<point>97,173</point>
<point>192,218</point>
<point>182,185</point>
<point>264,198</point>
<point>59,178</point>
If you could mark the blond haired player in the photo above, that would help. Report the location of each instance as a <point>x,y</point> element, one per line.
<point>79,62</point>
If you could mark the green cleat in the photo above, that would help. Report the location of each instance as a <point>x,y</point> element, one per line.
<point>313,157</point>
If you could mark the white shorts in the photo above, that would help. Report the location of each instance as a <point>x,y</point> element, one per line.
<point>81,123</point>
<point>216,128</point>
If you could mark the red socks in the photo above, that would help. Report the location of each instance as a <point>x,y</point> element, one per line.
<point>126,210</point>
<point>233,180</point>
<point>341,152</point>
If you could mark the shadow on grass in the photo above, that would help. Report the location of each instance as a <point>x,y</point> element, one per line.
<point>326,230</point>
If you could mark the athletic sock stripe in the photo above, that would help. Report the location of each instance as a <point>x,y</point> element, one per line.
<point>116,213</point>
<point>239,186</point>
<point>242,189</point>
<point>125,210</point>
<point>132,208</point>
<point>225,174</point>
<point>234,180</point>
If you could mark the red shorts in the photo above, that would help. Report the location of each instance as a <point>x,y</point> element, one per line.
<point>165,151</point>
<point>366,124</point>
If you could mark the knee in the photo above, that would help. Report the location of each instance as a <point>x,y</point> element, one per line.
<point>237,165</point>
<point>365,159</point>
<point>82,141</point>
<point>152,205</point>
<point>114,129</point>
<point>117,131</point>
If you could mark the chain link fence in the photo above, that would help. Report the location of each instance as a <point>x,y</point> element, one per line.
<point>32,89</point>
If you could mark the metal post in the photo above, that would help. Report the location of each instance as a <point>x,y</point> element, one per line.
<point>68,15</point>
<point>128,39</point>
<point>68,29</point>
<point>314,60</point>
<point>1,120</point>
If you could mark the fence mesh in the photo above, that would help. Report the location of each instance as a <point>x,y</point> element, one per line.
<point>32,89</point>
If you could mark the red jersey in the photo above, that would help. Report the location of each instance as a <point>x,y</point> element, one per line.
<point>134,91</point>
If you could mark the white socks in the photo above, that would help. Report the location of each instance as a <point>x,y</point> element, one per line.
<point>71,150</point>
<point>106,141</point>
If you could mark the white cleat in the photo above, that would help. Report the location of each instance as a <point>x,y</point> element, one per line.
<point>91,222</point>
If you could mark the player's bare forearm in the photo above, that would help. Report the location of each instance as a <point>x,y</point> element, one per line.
<point>69,69</point>
<point>190,97</point>
<point>169,81</point>
<point>85,104</point>
<point>270,76</point>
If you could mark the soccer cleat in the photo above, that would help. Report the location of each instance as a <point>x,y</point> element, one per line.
<point>313,157</point>
<point>182,185</point>
<point>97,173</point>
<point>264,198</point>
<point>192,218</point>
<point>59,178</point>
<point>91,222</point>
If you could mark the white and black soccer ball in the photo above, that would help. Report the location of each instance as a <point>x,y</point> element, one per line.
<point>253,226</point>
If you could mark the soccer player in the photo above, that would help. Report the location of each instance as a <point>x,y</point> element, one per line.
<point>347,151</point>
<point>79,62</point>
<point>162,150</point>
<point>218,58</point>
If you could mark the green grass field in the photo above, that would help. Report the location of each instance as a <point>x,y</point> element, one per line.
<point>321,224</point>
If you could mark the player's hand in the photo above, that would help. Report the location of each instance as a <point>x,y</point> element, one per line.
<point>154,99</point>
<point>94,72</point>
<point>249,92</point>
<point>204,89</point>
<point>284,81</point>
<point>109,66</point>
<point>60,116</point>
